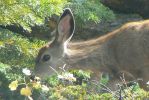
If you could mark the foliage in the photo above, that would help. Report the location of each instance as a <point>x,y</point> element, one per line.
<point>90,10</point>
<point>65,91</point>
<point>26,13</point>
<point>6,76</point>
<point>17,51</point>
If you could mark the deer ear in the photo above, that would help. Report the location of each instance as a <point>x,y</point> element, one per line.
<point>65,27</point>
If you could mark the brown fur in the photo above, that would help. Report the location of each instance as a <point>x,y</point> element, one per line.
<point>125,49</point>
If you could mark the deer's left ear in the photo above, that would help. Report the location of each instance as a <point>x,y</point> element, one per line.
<point>65,27</point>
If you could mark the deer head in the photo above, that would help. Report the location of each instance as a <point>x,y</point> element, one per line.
<point>50,57</point>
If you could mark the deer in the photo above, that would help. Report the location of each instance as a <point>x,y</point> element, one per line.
<point>124,50</point>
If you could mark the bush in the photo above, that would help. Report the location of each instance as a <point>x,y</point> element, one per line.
<point>66,89</point>
<point>27,13</point>
<point>90,11</point>
<point>8,74</point>
<point>16,50</point>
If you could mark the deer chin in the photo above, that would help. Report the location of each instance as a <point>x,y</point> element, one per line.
<point>44,72</point>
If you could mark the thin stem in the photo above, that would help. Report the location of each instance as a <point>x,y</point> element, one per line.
<point>54,70</point>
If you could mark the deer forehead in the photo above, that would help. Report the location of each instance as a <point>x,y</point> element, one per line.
<point>51,50</point>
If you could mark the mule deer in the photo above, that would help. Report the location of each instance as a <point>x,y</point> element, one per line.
<point>125,49</point>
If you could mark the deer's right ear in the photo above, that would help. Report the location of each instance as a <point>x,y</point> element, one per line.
<point>65,27</point>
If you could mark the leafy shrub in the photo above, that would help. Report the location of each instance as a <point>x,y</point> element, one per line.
<point>61,90</point>
<point>8,74</point>
<point>16,50</point>
<point>28,13</point>
<point>90,10</point>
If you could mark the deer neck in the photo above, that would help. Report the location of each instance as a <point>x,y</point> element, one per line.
<point>94,49</point>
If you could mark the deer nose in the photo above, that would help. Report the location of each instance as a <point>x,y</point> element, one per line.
<point>36,70</point>
<point>32,77</point>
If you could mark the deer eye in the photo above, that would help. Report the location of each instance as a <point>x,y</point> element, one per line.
<point>46,57</point>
